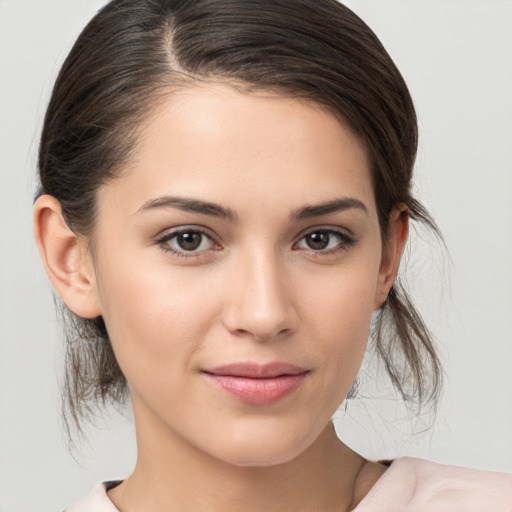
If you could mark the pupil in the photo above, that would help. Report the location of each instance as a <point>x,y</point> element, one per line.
<point>189,241</point>
<point>318,240</point>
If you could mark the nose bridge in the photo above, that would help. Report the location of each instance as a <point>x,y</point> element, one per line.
<point>259,302</point>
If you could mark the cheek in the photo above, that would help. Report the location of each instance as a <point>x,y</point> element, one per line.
<point>156,318</point>
<point>337,312</point>
<point>342,330</point>
<point>341,301</point>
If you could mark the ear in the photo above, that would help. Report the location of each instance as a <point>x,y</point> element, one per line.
<point>398,231</point>
<point>66,259</point>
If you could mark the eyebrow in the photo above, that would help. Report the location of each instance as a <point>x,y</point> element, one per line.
<point>215,210</point>
<point>189,205</point>
<point>334,206</point>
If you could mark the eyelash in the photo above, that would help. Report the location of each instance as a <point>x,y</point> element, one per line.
<point>163,242</point>
<point>345,242</point>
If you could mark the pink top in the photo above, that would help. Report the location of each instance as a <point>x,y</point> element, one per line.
<point>409,485</point>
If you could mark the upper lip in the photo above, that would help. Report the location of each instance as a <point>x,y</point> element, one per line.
<point>256,371</point>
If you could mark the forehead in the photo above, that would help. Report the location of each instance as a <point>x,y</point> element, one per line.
<point>236,148</point>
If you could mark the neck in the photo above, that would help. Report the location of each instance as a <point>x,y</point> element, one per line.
<point>174,476</point>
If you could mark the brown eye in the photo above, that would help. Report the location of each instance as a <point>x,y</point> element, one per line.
<point>325,240</point>
<point>189,240</point>
<point>318,241</point>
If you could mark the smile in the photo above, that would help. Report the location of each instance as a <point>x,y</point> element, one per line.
<point>257,384</point>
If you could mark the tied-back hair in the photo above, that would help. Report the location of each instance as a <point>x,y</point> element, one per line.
<point>134,53</point>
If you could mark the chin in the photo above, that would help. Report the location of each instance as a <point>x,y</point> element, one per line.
<point>264,447</point>
<point>259,458</point>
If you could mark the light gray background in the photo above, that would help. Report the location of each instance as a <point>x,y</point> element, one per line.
<point>457,59</point>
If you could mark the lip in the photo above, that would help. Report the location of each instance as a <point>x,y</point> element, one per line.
<point>255,383</point>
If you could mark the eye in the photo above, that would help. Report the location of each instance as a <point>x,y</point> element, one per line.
<point>186,242</point>
<point>325,240</point>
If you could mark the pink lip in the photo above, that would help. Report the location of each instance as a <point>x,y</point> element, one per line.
<point>257,384</point>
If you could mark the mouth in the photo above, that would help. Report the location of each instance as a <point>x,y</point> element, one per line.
<point>257,384</point>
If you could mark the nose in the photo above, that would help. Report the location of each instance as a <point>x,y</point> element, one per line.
<point>259,303</point>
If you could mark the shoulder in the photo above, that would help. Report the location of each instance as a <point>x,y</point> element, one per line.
<point>418,485</point>
<point>97,500</point>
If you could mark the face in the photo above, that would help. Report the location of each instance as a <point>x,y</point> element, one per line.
<point>237,264</point>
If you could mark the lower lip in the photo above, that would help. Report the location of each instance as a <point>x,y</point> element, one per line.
<point>258,391</point>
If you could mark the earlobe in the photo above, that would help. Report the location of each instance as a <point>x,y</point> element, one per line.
<point>392,253</point>
<point>65,259</point>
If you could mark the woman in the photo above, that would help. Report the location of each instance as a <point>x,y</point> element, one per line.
<point>225,197</point>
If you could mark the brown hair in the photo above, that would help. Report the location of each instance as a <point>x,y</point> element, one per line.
<point>134,52</point>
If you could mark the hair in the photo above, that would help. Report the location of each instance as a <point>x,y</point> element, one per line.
<point>134,53</point>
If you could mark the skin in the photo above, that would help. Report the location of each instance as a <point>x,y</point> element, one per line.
<point>254,290</point>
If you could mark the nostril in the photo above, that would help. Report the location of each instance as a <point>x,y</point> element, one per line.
<point>262,335</point>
